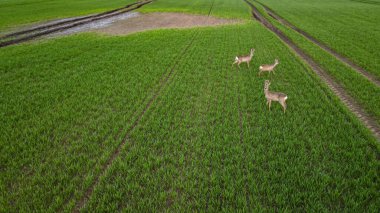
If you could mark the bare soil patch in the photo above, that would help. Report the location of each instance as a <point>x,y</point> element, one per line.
<point>151,21</point>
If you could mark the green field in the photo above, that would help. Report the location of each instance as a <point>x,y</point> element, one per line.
<point>364,91</point>
<point>351,27</point>
<point>21,12</point>
<point>219,8</point>
<point>193,133</point>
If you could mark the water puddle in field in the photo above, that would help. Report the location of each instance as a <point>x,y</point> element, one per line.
<point>151,21</point>
<point>96,24</point>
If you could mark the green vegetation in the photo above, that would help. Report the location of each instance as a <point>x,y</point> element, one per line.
<point>364,91</point>
<point>220,8</point>
<point>17,12</point>
<point>72,108</point>
<point>349,27</point>
<point>207,140</point>
<point>191,152</point>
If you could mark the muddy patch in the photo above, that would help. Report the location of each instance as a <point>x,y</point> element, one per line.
<point>151,21</point>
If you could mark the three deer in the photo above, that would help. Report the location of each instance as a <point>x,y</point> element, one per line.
<point>268,67</point>
<point>246,58</point>
<point>270,96</point>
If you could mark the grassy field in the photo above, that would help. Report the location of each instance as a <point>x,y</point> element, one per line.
<point>205,140</point>
<point>364,91</point>
<point>19,12</point>
<point>219,8</point>
<point>349,27</point>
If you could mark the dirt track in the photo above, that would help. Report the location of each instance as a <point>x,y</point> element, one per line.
<point>350,102</point>
<point>152,21</point>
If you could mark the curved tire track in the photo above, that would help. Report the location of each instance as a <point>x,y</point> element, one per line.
<point>83,200</point>
<point>81,203</point>
<point>48,29</point>
<point>46,26</point>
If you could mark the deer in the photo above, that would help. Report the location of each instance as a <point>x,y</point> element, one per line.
<point>274,96</point>
<point>268,67</point>
<point>246,58</point>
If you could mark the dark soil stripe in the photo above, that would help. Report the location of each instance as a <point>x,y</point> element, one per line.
<point>339,57</point>
<point>355,108</point>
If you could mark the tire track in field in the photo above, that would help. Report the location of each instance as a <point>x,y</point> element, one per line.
<point>37,32</point>
<point>210,167</point>
<point>163,82</point>
<point>245,167</point>
<point>212,5</point>
<point>110,134</point>
<point>369,76</point>
<point>350,102</point>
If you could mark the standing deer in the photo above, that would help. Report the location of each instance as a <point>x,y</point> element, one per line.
<point>274,96</point>
<point>268,67</point>
<point>247,58</point>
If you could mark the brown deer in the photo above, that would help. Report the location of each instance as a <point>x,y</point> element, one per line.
<point>274,96</point>
<point>268,67</point>
<point>246,58</point>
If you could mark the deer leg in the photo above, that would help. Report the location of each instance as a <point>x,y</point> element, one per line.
<point>248,64</point>
<point>260,73</point>
<point>273,72</point>
<point>233,63</point>
<point>283,104</point>
<point>270,102</point>
<point>239,64</point>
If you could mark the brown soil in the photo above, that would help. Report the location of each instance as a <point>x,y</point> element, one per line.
<point>153,21</point>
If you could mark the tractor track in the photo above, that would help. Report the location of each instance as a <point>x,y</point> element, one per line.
<point>332,52</point>
<point>81,203</point>
<point>350,102</point>
<point>163,82</point>
<point>29,34</point>
<point>242,143</point>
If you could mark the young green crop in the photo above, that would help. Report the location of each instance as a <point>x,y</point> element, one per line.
<point>20,12</point>
<point>210,143</point>
<point>349,27</point>
<point>219,8</point>
<point>65,105</point>
<point>362,90</point>
<point>206,142</point>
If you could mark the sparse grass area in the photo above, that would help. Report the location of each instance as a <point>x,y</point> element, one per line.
<point>349,27</point>
<point>18,12</point>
